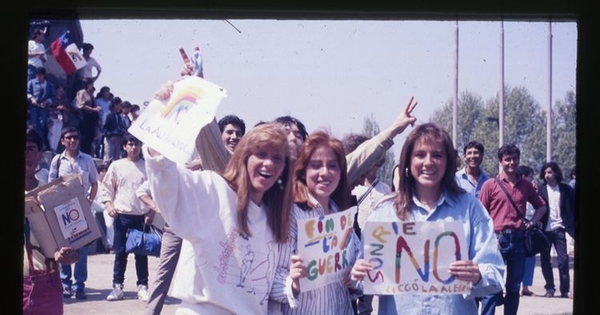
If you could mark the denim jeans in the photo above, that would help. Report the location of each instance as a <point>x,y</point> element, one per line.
<point>39,118</point>
<point>512,247</point>
<point>529,270</point>
<point>557,238</point>
<point>78,272</point>
<point>121,224</point>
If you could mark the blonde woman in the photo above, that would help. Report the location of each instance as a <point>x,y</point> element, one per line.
<point>230,224</point>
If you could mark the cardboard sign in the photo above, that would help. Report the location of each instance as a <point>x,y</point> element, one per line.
<point>323,244</point>
<point>413,257</point>
<point>59,215</point>
<point>170,127</point>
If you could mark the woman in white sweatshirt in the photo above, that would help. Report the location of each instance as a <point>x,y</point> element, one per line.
<point>231,224</point>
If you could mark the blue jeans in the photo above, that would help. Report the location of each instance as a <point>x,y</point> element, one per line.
<point>559,240</point>
<point>529,270</point>
<point>39,119</point>
<point>512,247</point>
<point>121,224</point>
<point>80,272</point>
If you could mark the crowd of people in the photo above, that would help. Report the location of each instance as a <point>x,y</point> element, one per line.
<point>230,240</point>
<point>515,203</point>
<point>101,118</point>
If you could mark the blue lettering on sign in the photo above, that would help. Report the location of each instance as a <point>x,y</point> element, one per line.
<point>65,218</point>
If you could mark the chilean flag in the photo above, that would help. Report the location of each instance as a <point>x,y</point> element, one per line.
<point>67,54</point>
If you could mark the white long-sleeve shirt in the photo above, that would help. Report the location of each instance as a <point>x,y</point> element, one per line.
<point>120,183</point>
<point>220,271</point>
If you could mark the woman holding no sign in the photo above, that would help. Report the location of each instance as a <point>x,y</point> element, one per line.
<point>428,192</point>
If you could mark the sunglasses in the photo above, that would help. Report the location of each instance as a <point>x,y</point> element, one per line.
<point>72,137</point>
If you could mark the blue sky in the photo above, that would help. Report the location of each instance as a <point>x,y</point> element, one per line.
<point>333,73</point>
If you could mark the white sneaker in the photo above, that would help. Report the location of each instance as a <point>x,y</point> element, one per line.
<point>116,293</point>
<point>143,292</point>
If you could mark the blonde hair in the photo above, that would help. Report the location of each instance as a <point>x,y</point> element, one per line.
<point>277,198</point>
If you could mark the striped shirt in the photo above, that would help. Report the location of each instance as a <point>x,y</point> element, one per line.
<point>333,298</point>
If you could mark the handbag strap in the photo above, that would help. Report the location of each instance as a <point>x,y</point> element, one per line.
<point>512,202</point>
<point>58,165</point>
<point>362,198</point>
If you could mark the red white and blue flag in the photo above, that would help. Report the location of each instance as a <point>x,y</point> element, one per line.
<point>67,54</point>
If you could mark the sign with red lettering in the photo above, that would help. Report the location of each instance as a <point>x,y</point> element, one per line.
<point>413,257</point>
<point>323,243</point>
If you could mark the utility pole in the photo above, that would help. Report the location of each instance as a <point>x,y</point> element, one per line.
<point>549,111</point>
<point>455,105</point>
<point>501,98</point>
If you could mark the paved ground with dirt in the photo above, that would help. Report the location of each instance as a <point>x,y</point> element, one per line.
<point>99,281</point>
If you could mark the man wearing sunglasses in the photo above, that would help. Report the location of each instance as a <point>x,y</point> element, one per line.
<point>73,161</point>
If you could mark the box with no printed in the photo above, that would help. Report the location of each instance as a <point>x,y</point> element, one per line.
<point>59,215</point>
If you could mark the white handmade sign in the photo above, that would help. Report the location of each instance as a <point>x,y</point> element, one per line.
<point>323,243</point>
<point>413,257</point>
<point>170,127</point>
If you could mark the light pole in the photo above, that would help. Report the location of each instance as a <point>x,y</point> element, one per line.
<point>455,99</point>
<point>549,111</point>
<point>498,121</point>
<point>500,118</point>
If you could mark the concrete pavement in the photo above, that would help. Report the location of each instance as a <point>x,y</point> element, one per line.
<point>99,281</point>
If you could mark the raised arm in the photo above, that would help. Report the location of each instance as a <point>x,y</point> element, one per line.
<point>213,154</point>
<point>373,150</point>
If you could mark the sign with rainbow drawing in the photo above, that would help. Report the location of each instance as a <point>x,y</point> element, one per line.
<point>170,127</point>
<point>324,244</point>
<point>413,257</point>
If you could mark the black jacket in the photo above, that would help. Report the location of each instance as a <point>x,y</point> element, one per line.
<point>113,125</point>
<point>567,206</point>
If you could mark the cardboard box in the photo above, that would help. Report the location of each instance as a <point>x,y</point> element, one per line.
<point>59,215</point>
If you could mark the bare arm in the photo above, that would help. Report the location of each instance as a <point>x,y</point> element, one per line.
<point>83,101</point>
<point>537,216</point>
<point>93,191</point>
